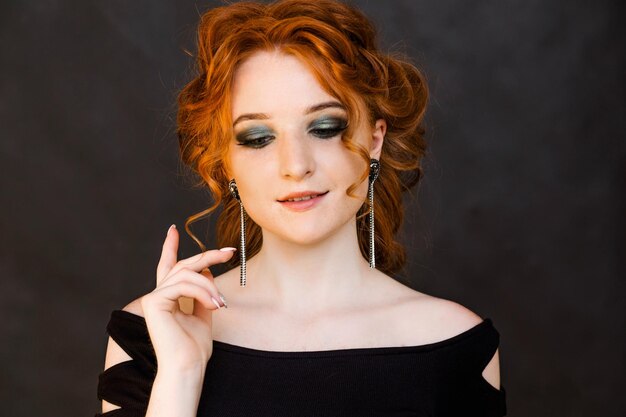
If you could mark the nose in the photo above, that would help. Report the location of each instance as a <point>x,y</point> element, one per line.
<point>296,160</point>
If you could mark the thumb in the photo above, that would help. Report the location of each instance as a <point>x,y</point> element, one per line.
<point>169,254</point>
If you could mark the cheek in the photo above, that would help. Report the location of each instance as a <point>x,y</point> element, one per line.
<point>248,168</point>
<point>345,168</point>
<point>256,185</point>
<point>257,202</point>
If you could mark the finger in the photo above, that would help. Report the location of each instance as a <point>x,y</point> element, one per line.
<point>204,260</point>
<point>200,311</point>
<point>166,297</point>
<point>205,313</point>
<point>221,299</point>
<point>186,275</point>
<point>169,254</point>
<point>206,272</point>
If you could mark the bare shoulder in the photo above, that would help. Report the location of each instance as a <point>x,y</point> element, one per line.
<point>442,318</point>
<point>134,307</point>
<point>426,317</point>
<point>115,354</point>
<point>452,319</point>
<point>430,319</point>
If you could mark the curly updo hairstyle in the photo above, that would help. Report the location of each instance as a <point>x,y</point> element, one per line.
<point>338,44</point>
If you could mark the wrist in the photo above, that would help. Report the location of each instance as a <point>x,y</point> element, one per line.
<point>176,392</point>
<point>190,373</point>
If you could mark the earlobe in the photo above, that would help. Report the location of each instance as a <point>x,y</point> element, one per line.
<point>378,137</point>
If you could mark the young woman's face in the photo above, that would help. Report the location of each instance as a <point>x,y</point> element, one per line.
<point>287,139</point>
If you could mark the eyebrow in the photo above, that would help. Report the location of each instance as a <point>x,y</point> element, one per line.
<point>312,109</point>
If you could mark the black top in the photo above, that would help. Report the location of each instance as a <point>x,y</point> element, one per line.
<point>437,379</point>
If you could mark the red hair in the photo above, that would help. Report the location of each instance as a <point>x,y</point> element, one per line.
<point>338,44</point>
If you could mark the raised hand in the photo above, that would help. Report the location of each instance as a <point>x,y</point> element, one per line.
<point>183,342</point>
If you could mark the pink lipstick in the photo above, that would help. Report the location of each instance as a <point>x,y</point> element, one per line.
<point>303,200</point>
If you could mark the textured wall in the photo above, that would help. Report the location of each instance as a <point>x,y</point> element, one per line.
<point>518,217</point>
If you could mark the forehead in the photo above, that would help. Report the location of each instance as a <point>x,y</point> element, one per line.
<point>274,83</point>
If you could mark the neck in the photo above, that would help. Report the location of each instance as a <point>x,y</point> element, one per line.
<point>308,279</point>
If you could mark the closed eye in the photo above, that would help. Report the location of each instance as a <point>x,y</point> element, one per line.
<point>255,137</point>
<point>326,133</point>
<point>328,127</point>
<point>256,142</point>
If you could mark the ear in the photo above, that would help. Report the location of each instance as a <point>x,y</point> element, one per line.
<point>378,137</point>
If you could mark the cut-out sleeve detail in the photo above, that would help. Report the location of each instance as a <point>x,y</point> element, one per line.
<point>131,333</point>
<point>476,355</point>
<point>128,384</point>
<point>476,350</point>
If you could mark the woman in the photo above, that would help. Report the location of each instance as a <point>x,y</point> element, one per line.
<point>297,124</point>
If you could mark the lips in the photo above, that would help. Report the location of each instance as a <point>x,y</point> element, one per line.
<point>301,196</point>
<point>304,201</point>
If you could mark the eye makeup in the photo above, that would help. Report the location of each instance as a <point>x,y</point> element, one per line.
<point>255,137</point>
<point>328,126</point>
<point>324,127</point>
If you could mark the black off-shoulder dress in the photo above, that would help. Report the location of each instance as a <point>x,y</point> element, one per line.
<point>437,379</point>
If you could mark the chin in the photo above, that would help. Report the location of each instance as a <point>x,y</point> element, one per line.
<point>309,235</point>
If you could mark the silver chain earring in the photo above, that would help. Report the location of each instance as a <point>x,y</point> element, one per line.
<point>232,186</point>
<point>374,171</point>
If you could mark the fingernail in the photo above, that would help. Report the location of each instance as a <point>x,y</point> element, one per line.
<point>216,303</point>
<point>228,248</point>
<point>171,227</point>
<point>223,300</point>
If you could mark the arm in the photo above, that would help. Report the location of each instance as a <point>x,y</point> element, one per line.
<point>115,354</point>
<point>491,373</point>
<point>181,340</point>
<point>174,393</point>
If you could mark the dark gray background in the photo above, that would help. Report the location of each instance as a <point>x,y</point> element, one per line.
<point>518,218</point>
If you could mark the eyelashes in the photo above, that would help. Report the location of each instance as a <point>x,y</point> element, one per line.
<point>325,128</point>
<point>254,137</point>
<point>328,128</point>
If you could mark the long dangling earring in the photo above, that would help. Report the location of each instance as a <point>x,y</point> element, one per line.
<point>374,170</point>
<point>232,186</point>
